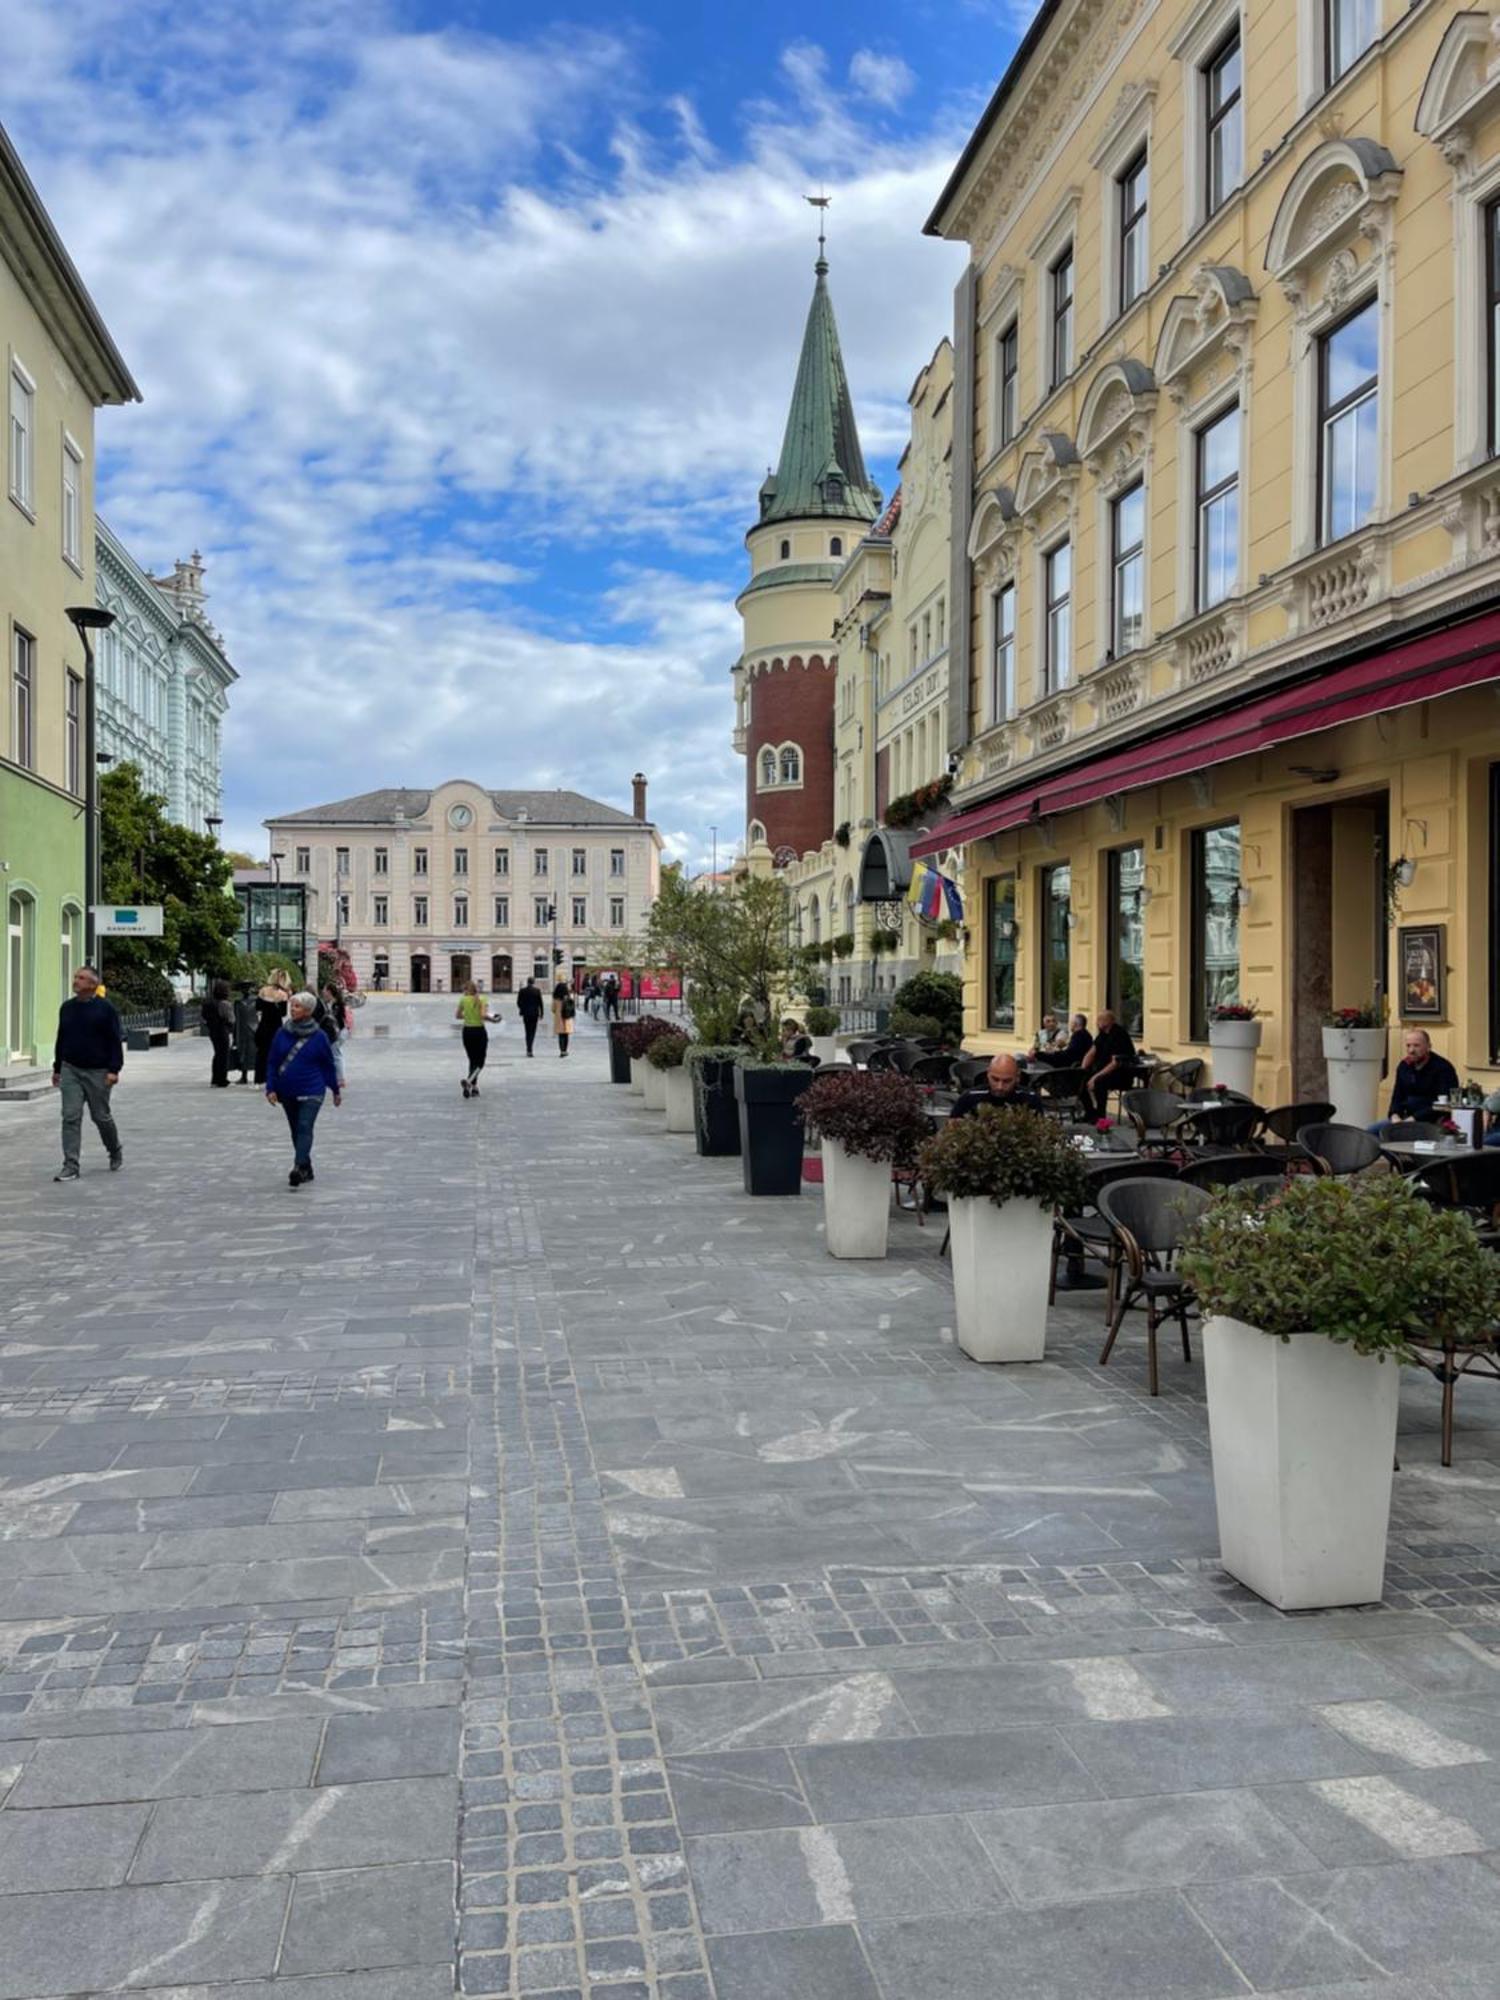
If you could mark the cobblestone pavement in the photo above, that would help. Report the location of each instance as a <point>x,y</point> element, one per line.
<point>520,1559</point>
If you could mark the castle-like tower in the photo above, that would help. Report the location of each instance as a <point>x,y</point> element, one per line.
<point>813,510</point>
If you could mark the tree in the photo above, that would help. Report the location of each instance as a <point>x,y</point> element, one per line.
<point>236,857</point>
<point>144,857</point>
<point>731,947</point>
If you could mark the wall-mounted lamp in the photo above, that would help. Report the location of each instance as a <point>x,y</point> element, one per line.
<point>1404,872</point>
<point>1071,920</point>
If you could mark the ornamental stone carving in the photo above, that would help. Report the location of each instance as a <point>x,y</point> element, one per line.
<point>1343,188</point>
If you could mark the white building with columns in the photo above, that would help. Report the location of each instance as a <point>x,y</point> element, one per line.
<point>427,889</point>
<point>163,680</point>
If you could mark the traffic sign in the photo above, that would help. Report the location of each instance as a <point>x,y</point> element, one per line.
<point>127,920</point>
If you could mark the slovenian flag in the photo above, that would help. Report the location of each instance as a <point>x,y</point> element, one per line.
<point>934,896</point>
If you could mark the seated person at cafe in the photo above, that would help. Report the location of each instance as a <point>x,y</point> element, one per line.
<point>1002,1086</point>
<point>1070,1052</point>
<point>1050,1037</point>
<point>794,1043</point>
<point>1109,1064</point>
<point>1421,1079</point>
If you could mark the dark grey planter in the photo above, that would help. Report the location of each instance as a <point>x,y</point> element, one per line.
<point>619,1061</point>
<point>716,1111</point>
<point>771,1135</point>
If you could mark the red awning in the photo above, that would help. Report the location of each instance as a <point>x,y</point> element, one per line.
<point>1437,664</point>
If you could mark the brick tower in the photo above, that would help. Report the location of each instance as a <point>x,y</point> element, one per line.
<point>813,510</point>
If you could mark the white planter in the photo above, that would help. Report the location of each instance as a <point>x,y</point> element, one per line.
<point>825,1048</point>
<point>1001,1257</point>
<point>1234,1044</point>
<point>654,1082</point>
<point>856,1203</point>
<point>638,1068</point>
<point>679,1099</point>
<point>1354,1056</point>
<point>1303,1435</point>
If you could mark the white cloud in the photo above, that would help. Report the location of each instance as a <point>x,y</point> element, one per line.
<point>884,79</point>
<point>415,363</point>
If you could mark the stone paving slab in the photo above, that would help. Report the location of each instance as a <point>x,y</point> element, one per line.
<point>519,1563</point>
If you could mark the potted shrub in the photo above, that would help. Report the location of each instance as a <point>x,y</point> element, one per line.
<point>1234,1037</point>
<point>867,1121</point>
<point>1004,1172</point>
<point>843,945</point>
<point>637,1036</point>
<point>883,942</point>
<point>716,1112</point>
<point>1354,1049</point>
<point>1304,1297</point>
<point>823,1026</point>
<point>770,1130</point>
<point>665,1056</point>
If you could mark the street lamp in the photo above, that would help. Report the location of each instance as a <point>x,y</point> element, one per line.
<point>86,618</point>
<point>213,821</point>
<point>278,855</point>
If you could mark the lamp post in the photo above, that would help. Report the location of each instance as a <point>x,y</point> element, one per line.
<point>278,855</point>
<point>213,821</point>
<point>86,618</point>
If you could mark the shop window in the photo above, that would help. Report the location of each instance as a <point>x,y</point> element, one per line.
<point>1127,936</point>
<point>1002,951</point>
<point>1057,939</point>
<point>1215,918</point>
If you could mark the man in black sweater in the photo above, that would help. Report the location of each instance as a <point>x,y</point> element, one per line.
<point>86,1067</point>
<point>1422,1077</point>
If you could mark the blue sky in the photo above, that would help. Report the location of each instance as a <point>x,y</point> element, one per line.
<point>466,332</point>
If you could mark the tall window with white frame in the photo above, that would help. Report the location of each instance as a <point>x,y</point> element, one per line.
<point>502,913</point>
<point>1057,649</point>
<point>382,909</point>
<point>1060,277</point>
<point>1003,655</point>
<point>419,913</point>
<point>73,736</point>
<point>1349,28</point>
<point>419,861</point>
<point>1492,317</point>
<point>1348,422</point>
<point>1131,193</point>
<point>1128,564</point>
<point>1223,115</point>
<point>1008,389</point>
<point>1216,475</point>
<point>617,913</point>
<point>460,913</point>
<point>22,453</point>
<point>23,698</point>
<point>382,861</point>
<point>72,504</point>
<point>304,860</point>
<point>460,860</point>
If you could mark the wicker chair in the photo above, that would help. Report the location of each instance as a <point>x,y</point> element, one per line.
<point>1154,1113</point>
<point>1227,1170</point>
<point>1150,1219</point>
<point>1277,1137</point>
<point>1181,1078</point>
<point>1223,1124</point>
<point>967,1070</point>
<point>1339,1149</point>
<point>1061,1090</point>
<point>1087,1234</point>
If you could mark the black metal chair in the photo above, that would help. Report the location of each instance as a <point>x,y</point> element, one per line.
<point>860,1051</point>
<point>1340,1149</point>
<point>1085,1233</point>
<point>1061,1090</point>
<point>1467,1181</point>
<point>1155,1114</point>
<point>967,1070</point>
<point>1181,1078</point>
<point>1227,1170</point>
<point>1277,1137</point>
<point>931,1069</point>
<point>1223,1125</point>
<point>1150,1219</point>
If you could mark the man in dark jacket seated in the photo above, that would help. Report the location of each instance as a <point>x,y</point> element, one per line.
<point>1110,1063</point>
<point>1002,1086</point>
<point>1421,1079</point>
<point>1073,1051</point>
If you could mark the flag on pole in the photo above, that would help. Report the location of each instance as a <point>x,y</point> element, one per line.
<point>934,896</point>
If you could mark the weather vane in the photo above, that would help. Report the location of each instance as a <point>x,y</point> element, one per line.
<point>820,202</point>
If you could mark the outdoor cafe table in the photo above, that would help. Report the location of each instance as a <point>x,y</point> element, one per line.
<point>1410,1154</point>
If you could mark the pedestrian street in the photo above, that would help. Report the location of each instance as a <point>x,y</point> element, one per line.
<point>519,1562</point>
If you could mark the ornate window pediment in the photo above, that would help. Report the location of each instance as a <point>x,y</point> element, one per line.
<point>1048,473</point>
<point>992,536</point>
<point>1115,422</point>
<point>1462,87</point>
<point>1217,317</point>
<point>1345,188</point>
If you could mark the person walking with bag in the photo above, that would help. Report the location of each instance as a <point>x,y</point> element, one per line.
<point>564,1007</point>
<point>529,1007</point>
<point>300,1071</point>
<point>218,1019</point>
<point>471,1012</point>
<point>86,1066</point>
<point>270,1004</point>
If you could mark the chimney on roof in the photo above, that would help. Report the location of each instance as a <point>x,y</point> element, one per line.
<point>638,785</point>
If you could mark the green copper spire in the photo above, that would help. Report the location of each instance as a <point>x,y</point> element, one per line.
<point>821,473</point>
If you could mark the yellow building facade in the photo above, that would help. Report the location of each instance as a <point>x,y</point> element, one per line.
<point>1226,526</point>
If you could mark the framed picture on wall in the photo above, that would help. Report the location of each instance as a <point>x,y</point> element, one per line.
<point>1421,950</point>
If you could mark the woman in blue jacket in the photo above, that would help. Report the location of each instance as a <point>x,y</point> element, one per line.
<point>300,1070</point>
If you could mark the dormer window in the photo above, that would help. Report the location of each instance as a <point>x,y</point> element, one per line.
<point>833,489</point>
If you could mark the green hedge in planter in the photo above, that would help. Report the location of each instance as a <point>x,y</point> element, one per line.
<point>875,1114</point>
<point>822,1020</point>
<point>1362,1261</point>
<point>1002,1155</point>
<point>702,1052</point>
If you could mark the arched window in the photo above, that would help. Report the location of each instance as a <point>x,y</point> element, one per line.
<point>768,766</point>
<point>755,834</point>
<point>786,552</point>
<point>814,919</point>
<point>791,765</point>
<point>835,545</point>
